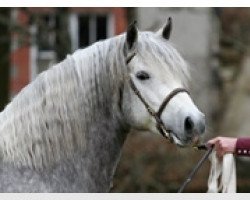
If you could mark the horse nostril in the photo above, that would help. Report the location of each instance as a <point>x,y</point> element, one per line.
<point>188,124</point>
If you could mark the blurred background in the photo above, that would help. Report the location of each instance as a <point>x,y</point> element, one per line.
<point>214,41</point>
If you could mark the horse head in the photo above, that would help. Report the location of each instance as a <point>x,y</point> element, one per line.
<point>157,76</point>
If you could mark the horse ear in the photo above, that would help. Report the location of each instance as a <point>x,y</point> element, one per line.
<point>166,31</point>
<point>131,38</point>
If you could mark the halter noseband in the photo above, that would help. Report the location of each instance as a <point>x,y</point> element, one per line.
<point>157,115</point>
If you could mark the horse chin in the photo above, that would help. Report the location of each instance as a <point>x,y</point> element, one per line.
<point>186,142</point>
<point>178,142</point>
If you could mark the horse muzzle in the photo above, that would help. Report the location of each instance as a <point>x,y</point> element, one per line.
<point>193,129</point>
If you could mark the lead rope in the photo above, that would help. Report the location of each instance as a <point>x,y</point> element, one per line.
<point>197,166</point>
<point>222,176</point>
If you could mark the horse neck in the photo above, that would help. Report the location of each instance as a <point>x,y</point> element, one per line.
<point>107,130</point>
<point>104,143</point>
<point>99,127</point>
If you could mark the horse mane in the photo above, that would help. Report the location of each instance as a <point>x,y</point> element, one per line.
<point>50,117</point>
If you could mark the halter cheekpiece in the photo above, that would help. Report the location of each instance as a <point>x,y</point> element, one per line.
<point>157,115</point>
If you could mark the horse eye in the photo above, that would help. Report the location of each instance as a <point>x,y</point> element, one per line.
<point>142,75</point>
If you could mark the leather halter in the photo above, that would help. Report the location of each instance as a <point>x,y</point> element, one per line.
<point>157,115</point>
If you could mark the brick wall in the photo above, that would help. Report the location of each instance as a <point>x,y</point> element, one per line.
<point>19,76</point>
<point>20,51</point>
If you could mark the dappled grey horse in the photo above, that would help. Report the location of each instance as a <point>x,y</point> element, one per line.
<point>65,130</point>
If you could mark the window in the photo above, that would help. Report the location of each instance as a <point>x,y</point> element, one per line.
<point>84,30</point>
<point>45,32</point>
<point>87,29</point>
<point>46,55</point>
<point>42,50</point>
<point>91,29</point>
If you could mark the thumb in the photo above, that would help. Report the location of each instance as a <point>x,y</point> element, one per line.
<point>212,141</point>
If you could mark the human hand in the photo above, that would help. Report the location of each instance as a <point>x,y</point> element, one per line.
<point>223,145</point>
